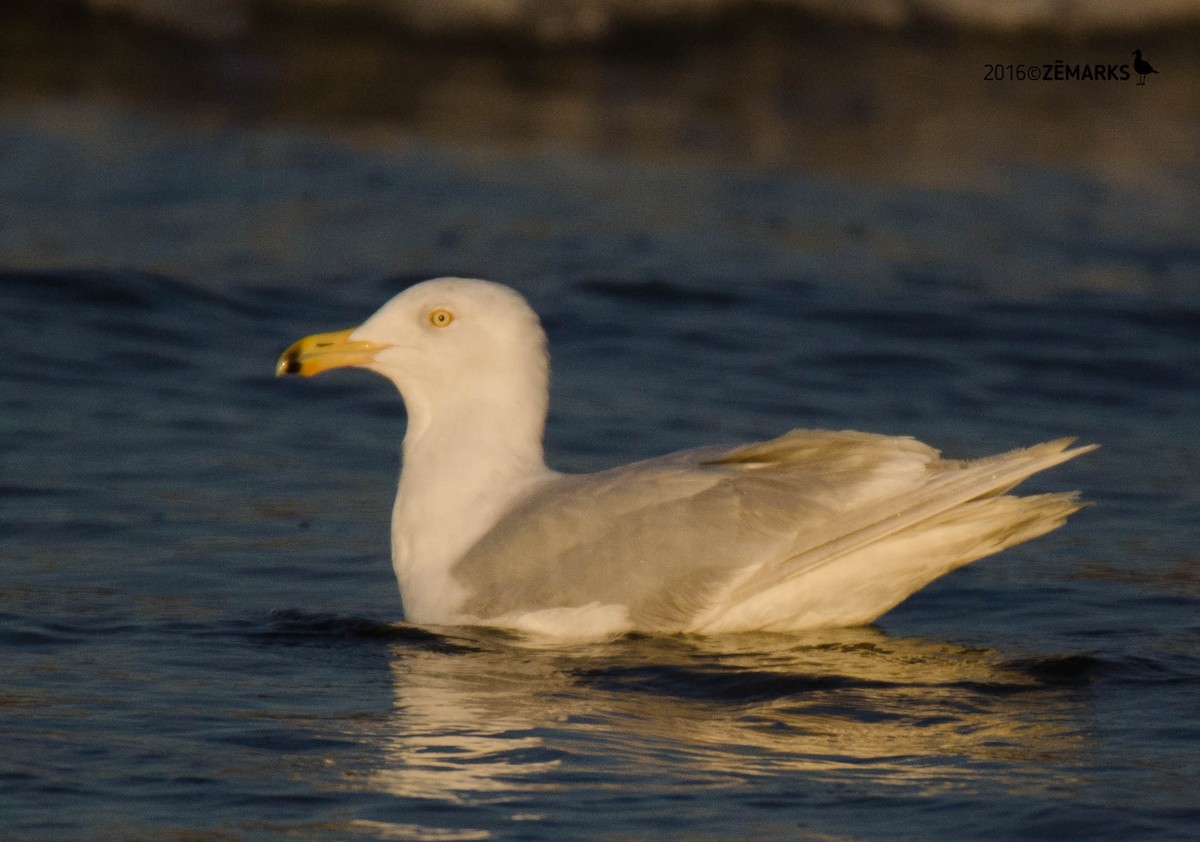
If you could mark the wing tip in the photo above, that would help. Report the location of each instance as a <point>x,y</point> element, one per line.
<point>1063,449</point>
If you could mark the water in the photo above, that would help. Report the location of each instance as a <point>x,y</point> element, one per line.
<point>199,629</point>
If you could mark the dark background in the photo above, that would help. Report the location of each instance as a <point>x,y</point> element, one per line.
<point>873,94</point>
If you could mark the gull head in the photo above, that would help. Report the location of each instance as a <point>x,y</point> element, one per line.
<point>452,346</point>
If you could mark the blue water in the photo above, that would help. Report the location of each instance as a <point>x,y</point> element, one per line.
<point>200,635</point>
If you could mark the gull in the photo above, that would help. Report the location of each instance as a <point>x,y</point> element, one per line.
<point>813,529</point>
<point>1141,67</point>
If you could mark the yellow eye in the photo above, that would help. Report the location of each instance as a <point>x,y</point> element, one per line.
<point>440,317</point>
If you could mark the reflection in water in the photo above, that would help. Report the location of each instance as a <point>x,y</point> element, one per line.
<point>500,717</point>
<point>461,731</point>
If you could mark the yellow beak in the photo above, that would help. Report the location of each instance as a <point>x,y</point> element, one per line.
<point>323,351</point>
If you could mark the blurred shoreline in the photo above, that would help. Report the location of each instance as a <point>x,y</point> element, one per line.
<point>766,91</point>
<point>551,23</point>
<point>849,153</point>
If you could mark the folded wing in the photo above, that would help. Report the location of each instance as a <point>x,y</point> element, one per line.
<point>715,539</point>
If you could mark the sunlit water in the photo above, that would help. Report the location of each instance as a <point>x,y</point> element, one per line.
<point>199,631</point>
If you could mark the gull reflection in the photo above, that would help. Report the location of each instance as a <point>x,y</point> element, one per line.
<point>464,726</point>
<point>491,716</point>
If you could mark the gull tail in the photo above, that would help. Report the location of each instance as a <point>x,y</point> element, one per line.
<point>959,515</point>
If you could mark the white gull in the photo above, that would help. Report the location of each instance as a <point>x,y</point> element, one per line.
<point>813,529</point>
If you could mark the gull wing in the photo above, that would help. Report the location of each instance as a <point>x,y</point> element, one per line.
<point>874,557</point>
<point>664,537</point>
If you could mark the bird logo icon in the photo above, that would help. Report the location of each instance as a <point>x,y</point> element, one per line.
<point>1141,67</point>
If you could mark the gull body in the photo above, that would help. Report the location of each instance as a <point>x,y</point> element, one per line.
<point>813,529</point>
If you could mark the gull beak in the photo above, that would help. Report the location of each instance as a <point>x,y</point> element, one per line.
<point>323,351</point>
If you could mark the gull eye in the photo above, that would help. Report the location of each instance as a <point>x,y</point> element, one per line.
<point>440,317</point>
